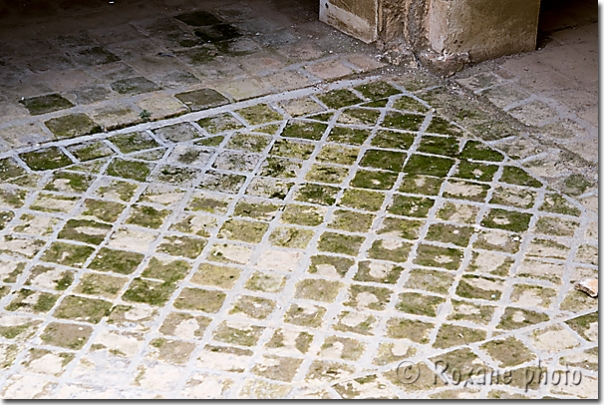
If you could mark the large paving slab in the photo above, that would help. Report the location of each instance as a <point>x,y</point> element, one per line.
<point>342,241</point>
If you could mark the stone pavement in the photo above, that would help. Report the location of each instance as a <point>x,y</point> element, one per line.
<point>72,68</point>
<point>553,92</point>
<point>299,245</point>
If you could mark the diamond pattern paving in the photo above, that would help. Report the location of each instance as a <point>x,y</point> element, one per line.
<point>262,250</point>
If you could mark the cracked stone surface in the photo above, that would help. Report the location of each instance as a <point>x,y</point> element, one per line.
<point>299,245</point>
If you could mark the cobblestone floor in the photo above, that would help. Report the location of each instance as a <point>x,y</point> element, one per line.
<point>298,245</point>
<point>75,67</point>
<point>554,93</point>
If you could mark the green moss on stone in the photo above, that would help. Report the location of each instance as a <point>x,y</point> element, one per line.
<point>358,116</point>
<point>304,130</point>
<point>378,272</point>
<point>364,296</point>
<point>419,184</point>
<point>399,228</point>
<point>184,246</point>
<point>439,125</point>
<point>129,169</point>
<point>259,114</point>
<point>104,210</point>
<point>475,171</point>
<point>338,154</point>
<point>416,331</point>
<point>266,282</point>
<point>515,318</point>
<point>5,218</point>
<point>260,210</point>
<point>330,265</point>
<point>557,204</point>
<point>339,98</point>
<point>326,174</point>
<point>428,165</point>
<point>475,150</point>
<point>509,220</point>
<point>434,281</point>
<point>198,299</point>
<point>362,199</point>
<point>410,206</point>
<point>254,307</point>
<point>478,287</point>
<point>419,304</point>
<point>348,136</point>
<point>307,215</point>
<point>406,103</point>
<point>340,243</point>
<point>248,143</point>
<point>217,276</point>
<point>224,182</point>
<point>243,230</point>
<point>46,159</point>
<point>392,140</point>
<point>280,167</point>
<point>117,261</point>
<point>290,237</point>
<point>517,176</point>
<point>85,230</point>
<point>90,150</point>
<point>149,292</point>
<point>446,233</point>
<point>209,204</point>
<point>82,309</point>
<point>26,300</point>
<point>437,256</point>
<point>70,126</point>
<point>407,122</point>
<point>292,149</point>
<point>100,284</point>
<point>244,336</point>
<point>381,159</point>
<point>437,145</point>
<point>9,169</point>
<point>220,123</point>
<point>45,104</point>
<point>146,216</point>
<point>210,141</point>
<point>169,271</point>
<point>389,249</point>
<point>133,142</point>
<point>377,90</point>
<point>67,254</point>
<point>576,184</point>
<point>351,221</point>
<point>583,324</point>
<point>318,289</point>
<point>176,175</point>
<point>317,194</point>
<point>377,180</point>
<point>71,336</point>
<point>453,335</point>
<point>69,182</point>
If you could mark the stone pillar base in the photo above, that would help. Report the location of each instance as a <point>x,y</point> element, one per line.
<point>453,30</point>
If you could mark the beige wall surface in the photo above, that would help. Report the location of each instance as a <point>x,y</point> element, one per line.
<point>483,28</point>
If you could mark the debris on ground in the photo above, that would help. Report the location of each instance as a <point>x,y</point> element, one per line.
<point>588,286</point>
